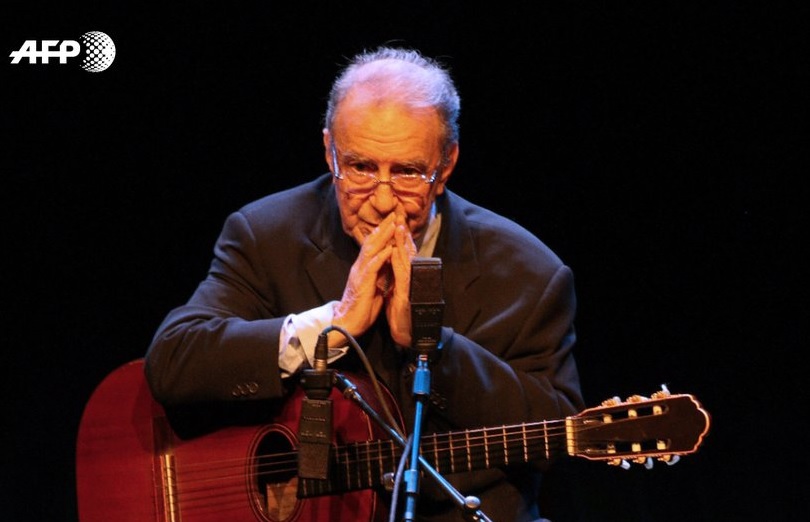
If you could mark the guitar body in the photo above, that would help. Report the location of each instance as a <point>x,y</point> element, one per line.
<point>131,466</point>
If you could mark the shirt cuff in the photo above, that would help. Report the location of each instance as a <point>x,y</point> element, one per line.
<point>299,336</point>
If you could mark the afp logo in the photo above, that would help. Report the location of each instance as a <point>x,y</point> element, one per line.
<point>96,48</point>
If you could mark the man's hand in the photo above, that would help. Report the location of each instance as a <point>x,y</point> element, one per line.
<point>363,295</point>
<point>381,274</point>
<point>397,302</point>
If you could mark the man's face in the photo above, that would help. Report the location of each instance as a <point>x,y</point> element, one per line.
<point>383,140</point>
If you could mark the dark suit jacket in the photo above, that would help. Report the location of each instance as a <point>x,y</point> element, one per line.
<point>507,336</point>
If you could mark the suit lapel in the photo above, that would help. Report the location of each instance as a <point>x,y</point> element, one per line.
<point>460,262</point>
<point>329,270</point>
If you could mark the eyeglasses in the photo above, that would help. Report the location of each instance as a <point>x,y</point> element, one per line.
<point>362,178</point>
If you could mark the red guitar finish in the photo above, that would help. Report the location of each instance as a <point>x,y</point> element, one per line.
<point>130,466</point>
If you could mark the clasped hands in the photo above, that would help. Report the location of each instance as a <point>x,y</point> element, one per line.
<point>379,278</point>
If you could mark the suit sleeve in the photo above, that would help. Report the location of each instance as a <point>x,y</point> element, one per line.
<point>222,345</point>
<point>526,373</point>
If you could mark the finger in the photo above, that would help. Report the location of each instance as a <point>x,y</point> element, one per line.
<point>406,242</point>
<point>372,268</point>
<point>401,266</point>
<point>381,236</point>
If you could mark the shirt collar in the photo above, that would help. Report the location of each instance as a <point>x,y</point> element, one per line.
<point>428,243</point>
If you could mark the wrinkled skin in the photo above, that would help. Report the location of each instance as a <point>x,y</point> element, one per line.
<point>387,227</point>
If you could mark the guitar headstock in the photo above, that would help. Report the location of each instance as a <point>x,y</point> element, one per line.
<point>639,429</point>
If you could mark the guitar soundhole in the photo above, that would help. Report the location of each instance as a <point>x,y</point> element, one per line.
<point>276,476</point>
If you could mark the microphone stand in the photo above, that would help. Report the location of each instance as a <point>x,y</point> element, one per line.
<point>469,505</point>
<point>421,392</point>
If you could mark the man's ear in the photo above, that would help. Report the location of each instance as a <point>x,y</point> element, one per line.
<point>448,164</point>
<point>327,149</point>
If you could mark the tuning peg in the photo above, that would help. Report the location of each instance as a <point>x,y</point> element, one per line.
<point>620,463</point>
<point>662,394</point>
<point>637,398</point>
<point>670,459</point>
<point>613,401</point>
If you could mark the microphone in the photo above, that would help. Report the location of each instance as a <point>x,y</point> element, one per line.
<point>427,304</point>
<point>315,423</point>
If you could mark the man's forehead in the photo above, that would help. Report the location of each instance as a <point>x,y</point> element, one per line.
<point>385,119</point>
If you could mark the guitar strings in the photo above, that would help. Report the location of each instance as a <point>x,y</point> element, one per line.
<point>491,436</point>
<point>210,485</point>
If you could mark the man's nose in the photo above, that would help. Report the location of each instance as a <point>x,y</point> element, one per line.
<point>383,198</point>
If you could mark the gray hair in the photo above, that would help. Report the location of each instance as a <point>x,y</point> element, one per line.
<point>402,75</point>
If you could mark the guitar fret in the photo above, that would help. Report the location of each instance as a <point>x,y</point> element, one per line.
<point>452,456</point>
<point>436,452</point>
<point>348,469</point>
<point>545,440</point>
<point>469,457</point>
<point>359,464</point>
<point>380,461</point>
<point>525,445</point>
<point>368,460</point>
<point>486,449</point>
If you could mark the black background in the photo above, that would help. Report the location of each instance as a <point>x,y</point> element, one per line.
<point>656,146</point>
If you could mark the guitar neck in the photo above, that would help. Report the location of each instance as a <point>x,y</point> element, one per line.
<point>362,465</point>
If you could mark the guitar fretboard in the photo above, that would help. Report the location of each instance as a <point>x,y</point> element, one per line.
<point>362,465</point>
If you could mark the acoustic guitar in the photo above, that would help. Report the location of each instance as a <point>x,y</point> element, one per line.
<point>132,466</point>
